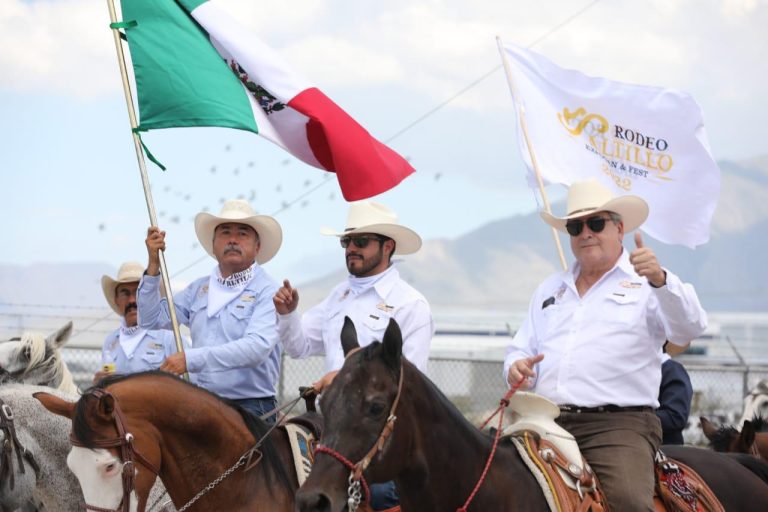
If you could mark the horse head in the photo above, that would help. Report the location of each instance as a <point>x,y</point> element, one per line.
<point>752,439</point>
<point>34,359</point>
<point>114,457</point>
<point>359,412</point>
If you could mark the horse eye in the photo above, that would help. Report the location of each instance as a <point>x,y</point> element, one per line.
<point>376,409</point>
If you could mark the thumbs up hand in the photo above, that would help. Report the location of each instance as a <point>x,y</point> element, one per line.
<point>645,263</point>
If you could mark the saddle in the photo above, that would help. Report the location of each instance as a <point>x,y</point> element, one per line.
<point>568,482</point>
<point>9,443</point>
<point>552,455</point>
<point>303,433</point>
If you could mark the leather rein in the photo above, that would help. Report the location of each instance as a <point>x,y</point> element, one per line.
<point>128,454</point>
<point>10,444</point>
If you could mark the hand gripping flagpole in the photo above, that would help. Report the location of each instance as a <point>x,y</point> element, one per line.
<point>524,126</point>
<point>143,170</point>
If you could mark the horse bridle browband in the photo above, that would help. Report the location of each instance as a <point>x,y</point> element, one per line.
<point>128,454</point>
<point>10,442</point>
<point>357,469</point>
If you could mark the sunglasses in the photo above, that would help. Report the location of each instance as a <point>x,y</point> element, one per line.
<point>360,241</point>
<point>595,224</point>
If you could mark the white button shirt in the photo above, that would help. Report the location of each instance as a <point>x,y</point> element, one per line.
<point>605,347</point>
<point>318,331</point>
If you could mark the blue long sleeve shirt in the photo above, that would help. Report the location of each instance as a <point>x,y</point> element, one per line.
<point>675,394</point>
<point>234,353</point>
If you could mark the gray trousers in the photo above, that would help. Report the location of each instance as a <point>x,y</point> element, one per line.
<point>620,448</point>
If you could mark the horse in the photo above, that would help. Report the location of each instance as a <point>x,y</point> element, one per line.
<point>210,454</point>
<point>35,359</point>
<point>382,411</point>
<point>756,402</point>
<point>46,483</point>
<point>752,439</point>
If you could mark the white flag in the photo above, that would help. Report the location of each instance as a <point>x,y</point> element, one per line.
<point>635,139</point>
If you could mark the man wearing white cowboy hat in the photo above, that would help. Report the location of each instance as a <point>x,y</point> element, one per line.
<point>593,336</point>
<point>130,349</point>
<point>229,313</point>
<point>372,294</point>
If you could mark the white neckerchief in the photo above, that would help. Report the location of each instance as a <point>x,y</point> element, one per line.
<point>130,337</point>
<point>359,285</point>
<point>223,290</point>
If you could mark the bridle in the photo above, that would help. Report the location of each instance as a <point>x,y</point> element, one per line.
<point>10,442</point>
<point>128,454</point>
<point>356,478</point>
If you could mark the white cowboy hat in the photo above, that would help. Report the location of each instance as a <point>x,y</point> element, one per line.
<point>129,272</point>
<point>587,197</point>
<point>239,211</point>
<point>370,217</point>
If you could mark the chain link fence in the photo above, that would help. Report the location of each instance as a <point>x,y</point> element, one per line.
<point>475,386</point>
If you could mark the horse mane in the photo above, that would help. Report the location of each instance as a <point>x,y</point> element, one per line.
<point>56,369</point>
<point>759,423</point>
<point>721,440</point>
<point>83,431</point>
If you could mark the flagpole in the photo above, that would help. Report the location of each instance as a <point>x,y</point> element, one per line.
<point>144,178</point>
<point>524,126</point>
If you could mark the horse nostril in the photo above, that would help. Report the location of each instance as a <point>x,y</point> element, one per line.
<point>314,503</point>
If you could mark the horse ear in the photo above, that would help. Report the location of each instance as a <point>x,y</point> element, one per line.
<point>393,344</point>
<point>348,336</point>
<point>60,337</point>
<point>747,436</point>
<point>707,427</point>
<point>56,405</point>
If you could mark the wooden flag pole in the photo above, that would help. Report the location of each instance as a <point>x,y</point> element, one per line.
<point>539,181</point>
<point>143,170</point>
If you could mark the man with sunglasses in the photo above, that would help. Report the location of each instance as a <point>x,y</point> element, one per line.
<point>592,340</point>
<point>371,295</point>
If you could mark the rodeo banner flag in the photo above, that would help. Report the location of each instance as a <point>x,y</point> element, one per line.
<point>641,140</point>
<point>195,65</point>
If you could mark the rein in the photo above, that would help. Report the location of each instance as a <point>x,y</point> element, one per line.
<point>356,470</point>
<point>7,448</point>
<point>128,453</point>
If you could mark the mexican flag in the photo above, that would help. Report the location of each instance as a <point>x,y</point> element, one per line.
<point>195,65</point>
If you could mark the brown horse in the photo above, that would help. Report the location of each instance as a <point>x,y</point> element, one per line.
<point>432,453</point>
<point>209,453</point>
<point>752,439</point>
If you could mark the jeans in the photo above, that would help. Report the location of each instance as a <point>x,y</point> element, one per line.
<point>384,496</point>
<point>259,406</point>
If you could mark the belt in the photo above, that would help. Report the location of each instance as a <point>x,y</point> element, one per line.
<point>604,408</point>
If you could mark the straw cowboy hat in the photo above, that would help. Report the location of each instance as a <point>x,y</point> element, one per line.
<point>129,272</point>
<point>588,197</point>
<point>240,212</point>
<point>370,217</point>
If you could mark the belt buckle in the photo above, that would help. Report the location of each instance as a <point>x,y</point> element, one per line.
<point>7,412</point>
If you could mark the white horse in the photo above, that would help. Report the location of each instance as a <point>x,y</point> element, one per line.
<point>756,402</point>
<point>35,359</point>
<point>53,487</point>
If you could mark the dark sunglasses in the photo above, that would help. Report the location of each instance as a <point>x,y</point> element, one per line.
<point>360,241</point>
<point>595,224</point>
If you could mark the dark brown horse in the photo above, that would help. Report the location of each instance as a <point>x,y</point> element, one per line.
<point>751,439</point>
<point>200,445</point>
<point>433,454</point>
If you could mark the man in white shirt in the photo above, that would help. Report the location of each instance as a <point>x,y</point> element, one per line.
<point>371,295</point>
<point>593,336</point>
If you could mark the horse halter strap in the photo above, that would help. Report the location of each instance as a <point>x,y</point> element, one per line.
<point>124,441</point>
<point>7,448</point>
<point>358,468</point>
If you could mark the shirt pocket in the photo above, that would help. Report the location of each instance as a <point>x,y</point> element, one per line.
<point>622,309</point>
<point>242,310</point>
<point>153,357</point>
<point>376,323</point>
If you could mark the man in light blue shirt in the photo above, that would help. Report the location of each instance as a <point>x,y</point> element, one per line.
<point>230,313</point>
<point>130,349</point>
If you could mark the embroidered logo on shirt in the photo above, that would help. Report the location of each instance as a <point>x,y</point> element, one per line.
<point>202,291</point>
<point>344,295</point>
<point>114,344</point>
<point>560,292</point>
<point>384,307</point>
<point>629,284</point>
<point>155,346</point>
<point>248,298</point>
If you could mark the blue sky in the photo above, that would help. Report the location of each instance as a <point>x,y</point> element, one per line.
<point>70,184</point>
